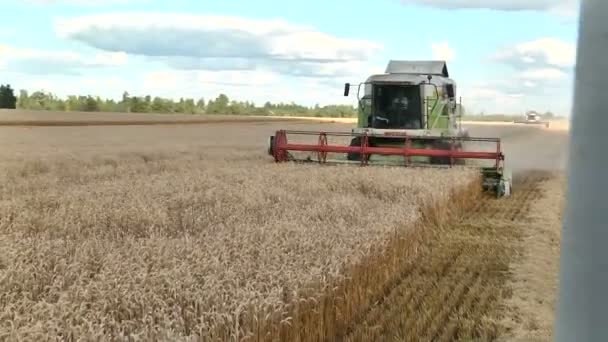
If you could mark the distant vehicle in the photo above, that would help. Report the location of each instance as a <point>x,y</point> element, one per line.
<point>533,118</point>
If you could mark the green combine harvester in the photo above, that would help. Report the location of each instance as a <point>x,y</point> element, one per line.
<point>407,116</point>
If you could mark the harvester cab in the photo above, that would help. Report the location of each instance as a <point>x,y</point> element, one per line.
<point>407,116</point>
<point>417,99</point>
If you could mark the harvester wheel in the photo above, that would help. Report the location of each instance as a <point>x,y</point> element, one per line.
<point>446,145</point>
<point>504,189</point>
<point>355,156</point>
<point>440,145</point>
<point>460,147</point>
<point>271,146</point>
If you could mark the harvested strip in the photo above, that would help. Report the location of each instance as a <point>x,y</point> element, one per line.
<point>456,290</point>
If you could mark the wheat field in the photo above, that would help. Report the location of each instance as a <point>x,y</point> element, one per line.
<point>106,235</point>
<point>193,233</point>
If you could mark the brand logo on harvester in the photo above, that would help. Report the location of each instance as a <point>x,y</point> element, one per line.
<point>395,134</point>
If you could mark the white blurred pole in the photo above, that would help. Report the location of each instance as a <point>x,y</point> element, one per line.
<point>582,313</point>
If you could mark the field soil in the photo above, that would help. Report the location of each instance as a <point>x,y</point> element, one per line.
<point>488,274</point>
<point>31,118</point>
<point>50,118</point>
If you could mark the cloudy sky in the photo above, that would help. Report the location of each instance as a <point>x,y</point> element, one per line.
<point>506,55</point>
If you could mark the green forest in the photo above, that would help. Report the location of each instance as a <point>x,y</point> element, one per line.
<point>40,100</point>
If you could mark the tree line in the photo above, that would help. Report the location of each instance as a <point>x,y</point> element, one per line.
<point>41,100</point>
<point>7,97</point>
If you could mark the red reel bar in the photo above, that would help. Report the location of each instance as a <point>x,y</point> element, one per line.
<point>282,147</point>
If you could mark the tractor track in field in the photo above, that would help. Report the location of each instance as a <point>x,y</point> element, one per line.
<point>453,288</point>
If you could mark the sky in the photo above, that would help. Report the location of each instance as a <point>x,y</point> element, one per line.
<point>507,56</point>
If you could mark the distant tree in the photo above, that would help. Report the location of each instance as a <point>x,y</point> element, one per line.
<point>125,104</point>
<point>219,106</point>
<point>3,99</point>
<point>71,104</point>
<point>90,104</point>
<point>200,105</point>
<point>189,106</point>
<point>23,100</point>
<point>7,97</point>
<point>138,105</point>
<point>160,105</point>
<point>236,108</point>
<point>209,107</point>
<point>222,103</point>
<point>41,100</point>
<point>60,105</point>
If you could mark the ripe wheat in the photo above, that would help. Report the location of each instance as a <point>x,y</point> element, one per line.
<point>166,247</point>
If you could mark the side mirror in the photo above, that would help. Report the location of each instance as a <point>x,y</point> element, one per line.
<point>450,90</point>
<point>346,89</point>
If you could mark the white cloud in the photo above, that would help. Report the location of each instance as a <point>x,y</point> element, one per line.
<point>238,78</point>
<point>478,93</point>
<point>564,7</point>
<point>531,82</point>
<point>81,2</point>
<point>539,89</point>
<point>491,100</point>
<point>544,74</point>
<point>443,51</point>
<point>221,43</point>
<point>110,59</point>
<point>36,61</point>
<point>541,52</point>
<point>286,67</point>
<point>161,80</point>
<point>542,69</point>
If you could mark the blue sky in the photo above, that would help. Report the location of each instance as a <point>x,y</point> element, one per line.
<point>506,55</point>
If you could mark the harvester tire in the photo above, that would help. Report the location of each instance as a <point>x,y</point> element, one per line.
<point>445,145</point>
<point>271,146</point>
<point>355,156</point>
<point>440,145</point>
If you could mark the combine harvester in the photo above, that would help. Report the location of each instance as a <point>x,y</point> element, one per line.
<point>409,117</point>
<point>532,118</point>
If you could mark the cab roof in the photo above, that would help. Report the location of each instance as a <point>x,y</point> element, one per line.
<point>415,72</point>
<point>435,68</point>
